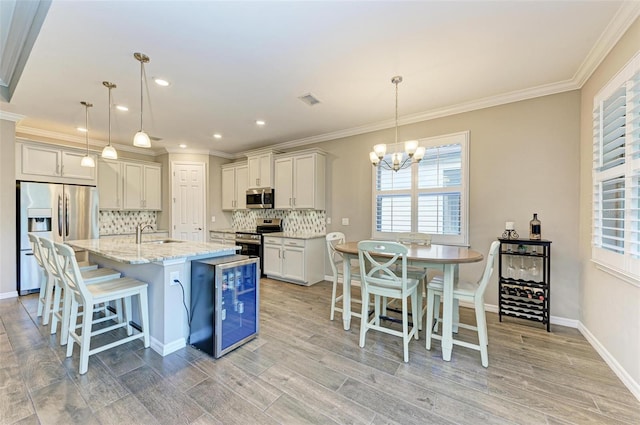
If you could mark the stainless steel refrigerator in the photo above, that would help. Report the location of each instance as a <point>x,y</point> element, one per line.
<point>59,212</point>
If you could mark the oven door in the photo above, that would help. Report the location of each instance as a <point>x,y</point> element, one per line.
<point>249,248</point>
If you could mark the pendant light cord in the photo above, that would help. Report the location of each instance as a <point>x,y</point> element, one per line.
<point>141,92</point>
<point>110,115</point>
<point>396,113</point>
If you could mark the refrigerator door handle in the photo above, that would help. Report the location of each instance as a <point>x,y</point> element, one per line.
<point>60,215</point>
<point>66,216</point>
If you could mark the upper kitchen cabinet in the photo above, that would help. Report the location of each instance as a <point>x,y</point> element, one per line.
<point>142,186</point>
<point>49,163</point>
<point>234,186</point>
<point>260,170</point>
<point>110,184</point>
<point>300,180</point>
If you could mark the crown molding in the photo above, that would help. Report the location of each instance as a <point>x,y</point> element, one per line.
<point>36,134</point>
<point>10,116</point>
<point>626,15</point>
<point>187,151</point>
<point>515,96</point>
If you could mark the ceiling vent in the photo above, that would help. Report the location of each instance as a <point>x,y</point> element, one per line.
<point>309,99</point>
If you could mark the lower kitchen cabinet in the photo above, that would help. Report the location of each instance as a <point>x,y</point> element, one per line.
<point>223,238</point>
<point>294,260</point>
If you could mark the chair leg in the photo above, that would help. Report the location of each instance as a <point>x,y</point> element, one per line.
<point>483,340</point>
<point>65,322</point>
<point>144,316</point>
<point>127,314</point>
<point>430,311</point>
<point>74,318</point>
<point>378,310</point>
<point>436,311</point>
<point>48,299</point>
<point>405,329</point>
<point>55,309</point>
<point>417,308</point>
<point>87,319</point>
<point>364,315</point>
<point>333,297</point>
<point>42,295</point>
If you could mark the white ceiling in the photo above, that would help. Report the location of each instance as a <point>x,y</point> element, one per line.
<point>231,63</point>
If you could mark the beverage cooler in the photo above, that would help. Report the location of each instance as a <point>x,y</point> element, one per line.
<point>225,299</point>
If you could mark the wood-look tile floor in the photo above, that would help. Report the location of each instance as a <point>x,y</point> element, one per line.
<point>304,368</point>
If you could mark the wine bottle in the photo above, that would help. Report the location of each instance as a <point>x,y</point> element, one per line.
<point>535,228</point>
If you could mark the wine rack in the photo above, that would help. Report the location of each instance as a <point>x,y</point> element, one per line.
<point>524,284</point>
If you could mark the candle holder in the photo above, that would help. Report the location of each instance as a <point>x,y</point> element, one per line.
<point>510,234</point>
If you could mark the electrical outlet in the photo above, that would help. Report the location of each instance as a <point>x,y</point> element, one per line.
<point>345,221</point>
<point>213,218</point>
<point>328,220</point>
<point>173,276</point>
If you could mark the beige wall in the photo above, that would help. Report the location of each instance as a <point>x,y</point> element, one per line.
<point>8,259</point>
<point>610,306</point>
<point>523,159</point>
<point>223,218</point>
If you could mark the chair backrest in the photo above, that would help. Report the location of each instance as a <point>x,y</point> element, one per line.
<point>37,251</point>
<point>68,268</point>
<point>47,252</point>
<point>488,268</point>
<point>414,237</point>
<point>381,270</point>
<point>333,239</point>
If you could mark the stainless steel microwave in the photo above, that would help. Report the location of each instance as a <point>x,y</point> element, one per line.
<point>260,198</point>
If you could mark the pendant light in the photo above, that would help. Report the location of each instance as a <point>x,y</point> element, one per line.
<point>141,139</point>
<point>109,152</point>
<point>87,161</point>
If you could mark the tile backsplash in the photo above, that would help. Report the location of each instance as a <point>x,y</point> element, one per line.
<point>296,221</point>
<point>121,222</point>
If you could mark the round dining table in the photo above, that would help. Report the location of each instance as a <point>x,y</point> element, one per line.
<point>440,257</point>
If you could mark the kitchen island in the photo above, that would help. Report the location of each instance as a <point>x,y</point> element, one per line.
<point>159,263</point>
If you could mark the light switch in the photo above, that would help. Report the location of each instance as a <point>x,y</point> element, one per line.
<point>345,221</point>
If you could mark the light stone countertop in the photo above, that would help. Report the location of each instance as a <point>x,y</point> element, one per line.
<point>125,250</point>
<point>296,235</point>
<point>225,230</point>
<point>124,235</point>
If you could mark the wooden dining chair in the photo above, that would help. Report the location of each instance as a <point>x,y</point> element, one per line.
<point>336,260</point>
<point>381,279</point>
<point>88,296</point>
<point>463,291</point>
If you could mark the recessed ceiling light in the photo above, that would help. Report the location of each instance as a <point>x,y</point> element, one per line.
<point>161,82</point>
<point>260,122</point>
<point>217,136</point>
<point>122,108</point>
<point>82,129</point>
<point>182,145</point>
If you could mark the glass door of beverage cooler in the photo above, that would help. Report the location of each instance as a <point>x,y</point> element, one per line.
<point>237,303</point>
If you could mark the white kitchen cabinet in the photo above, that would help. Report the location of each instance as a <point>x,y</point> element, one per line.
<point>299,181</point>
<point>110,184</point>
<point>260,170</point>
<point>294,260</point>
<point>52,164</point>
<point>234,186</point>
<point>223,238</point>
<point>142,186</point>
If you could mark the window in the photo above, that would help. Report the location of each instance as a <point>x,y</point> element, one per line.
<point>616,172</point>
<point>429,197</point>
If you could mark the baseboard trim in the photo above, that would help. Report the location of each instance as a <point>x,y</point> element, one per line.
<point>165,349</point>
<point>5,295</point>
<point>626,379</point>
<point>555,320</point>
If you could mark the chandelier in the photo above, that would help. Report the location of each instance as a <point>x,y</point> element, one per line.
<point>399,159</point>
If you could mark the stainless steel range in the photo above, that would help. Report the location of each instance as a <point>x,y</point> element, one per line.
<point>251,242</point>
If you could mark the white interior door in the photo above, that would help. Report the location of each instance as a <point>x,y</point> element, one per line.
<point>188,206</point>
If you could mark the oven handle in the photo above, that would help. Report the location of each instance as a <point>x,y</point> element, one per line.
<point>249,242</point>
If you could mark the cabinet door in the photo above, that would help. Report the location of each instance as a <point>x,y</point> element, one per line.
<point>304,176</point>
<point>266,169</point>
<point>228,188</point>
<point>41,161</point>
<point>293,266</point>
<point>254,171</point>
<point>282,183</point>
<point>72,169</point>
<point>242,184</point>
<point>272,260</point>
<point>110,184</point>
<point>133,183</point>
<point>152,189</point>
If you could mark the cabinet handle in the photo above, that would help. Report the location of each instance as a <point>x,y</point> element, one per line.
<point>57,167</point>
<point>294,202</point>
<point>258,182</point>
<point>279,254</point>
<point>290,202</point>
<point>62,170</point>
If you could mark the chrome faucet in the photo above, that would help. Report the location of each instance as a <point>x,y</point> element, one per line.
<point>139,228</point>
